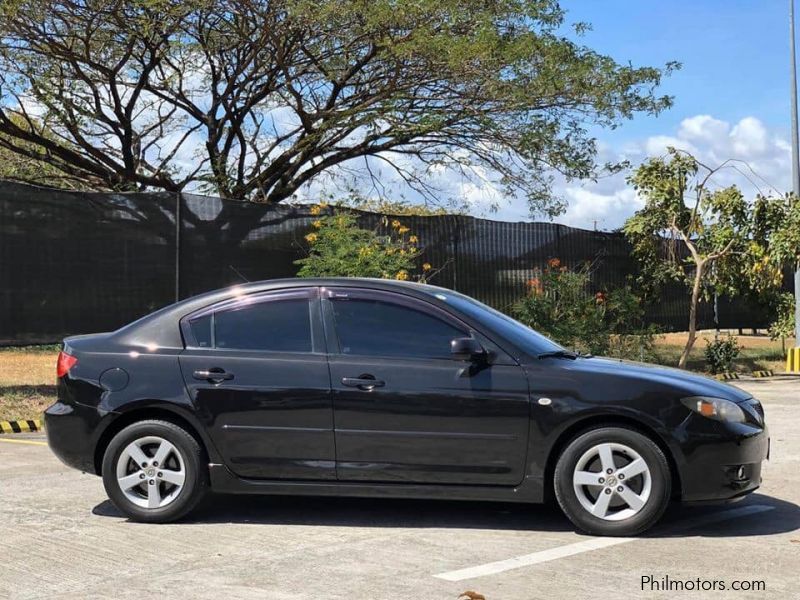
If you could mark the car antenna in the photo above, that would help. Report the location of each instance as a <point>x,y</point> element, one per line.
<point>235,270</point>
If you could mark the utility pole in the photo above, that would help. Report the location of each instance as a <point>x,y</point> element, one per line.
<point>795,168</point>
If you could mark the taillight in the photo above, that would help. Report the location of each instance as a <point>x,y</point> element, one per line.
<point>64,364</point>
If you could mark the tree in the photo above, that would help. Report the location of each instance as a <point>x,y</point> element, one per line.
<point>711,239</point>
<point>16,166</point>
<point>783,325</point>
<point>782,220</point>
<point>253,99</point>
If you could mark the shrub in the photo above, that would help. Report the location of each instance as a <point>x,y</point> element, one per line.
<point>721,353</point>
<point>338,247</point>
<point>561,304</point>
<point>783,325</point>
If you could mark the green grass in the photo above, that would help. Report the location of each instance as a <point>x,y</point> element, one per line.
<point>758,353</point>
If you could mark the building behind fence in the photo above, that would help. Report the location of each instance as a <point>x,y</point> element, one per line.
<point>75,263</point>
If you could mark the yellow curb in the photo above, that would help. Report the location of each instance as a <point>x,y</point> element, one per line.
<point>766,373</point>
<point>22,426</point>
<point>726,376</point>
<point>31,442</point>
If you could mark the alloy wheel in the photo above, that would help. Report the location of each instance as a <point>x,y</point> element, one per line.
<point>612,481</point>
<point>151,472</point>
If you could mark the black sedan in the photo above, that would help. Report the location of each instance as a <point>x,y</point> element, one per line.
<point>360,387</point>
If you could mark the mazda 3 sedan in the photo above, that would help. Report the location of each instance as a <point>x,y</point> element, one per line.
<point>361,387</point>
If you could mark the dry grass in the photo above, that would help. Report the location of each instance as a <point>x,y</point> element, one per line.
<point>27,381</point>
<point>27,375</point>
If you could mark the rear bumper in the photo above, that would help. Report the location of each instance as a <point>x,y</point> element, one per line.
<point>71,430</point>
<point>727,468</point>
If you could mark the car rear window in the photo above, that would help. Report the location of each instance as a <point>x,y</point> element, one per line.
<point>201,330</point>
<point>273,324</point>
<point>277,325</point>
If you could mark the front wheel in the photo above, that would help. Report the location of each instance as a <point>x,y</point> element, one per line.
<point>612,481</point>
<point>154,472</point>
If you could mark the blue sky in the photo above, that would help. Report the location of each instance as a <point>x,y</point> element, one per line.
<point>735,55</point>
<point>731,101</point>
<point>731,97</point>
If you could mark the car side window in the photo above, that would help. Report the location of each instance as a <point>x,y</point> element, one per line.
<point>375,327</point>
<point>278,324</point>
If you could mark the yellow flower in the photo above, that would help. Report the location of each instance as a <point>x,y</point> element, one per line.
<point>426,266</point>
<point>396,224</point>
<point>413,239</point>
<point>402,252</point>
<point>311,238</point>
<point>317,224</point>
<point>316,209</point>
<point>402,275</point>
<point>402,230</point>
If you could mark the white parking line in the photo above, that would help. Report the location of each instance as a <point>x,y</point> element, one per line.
<point>543,556</point>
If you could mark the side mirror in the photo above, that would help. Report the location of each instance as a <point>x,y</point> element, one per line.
<point>466,348</point>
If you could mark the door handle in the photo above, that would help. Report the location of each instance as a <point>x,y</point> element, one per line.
<point>363,383</point>
<point>214,375</point>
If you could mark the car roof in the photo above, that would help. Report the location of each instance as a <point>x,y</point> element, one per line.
<point>161,328</point>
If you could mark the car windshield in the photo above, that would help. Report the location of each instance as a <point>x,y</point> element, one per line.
<point>515,332</point>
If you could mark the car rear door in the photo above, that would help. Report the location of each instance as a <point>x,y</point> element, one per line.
<point>405,410</point>
<point>256,370</point>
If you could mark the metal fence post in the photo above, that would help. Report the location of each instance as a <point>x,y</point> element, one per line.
<point>178,205</point>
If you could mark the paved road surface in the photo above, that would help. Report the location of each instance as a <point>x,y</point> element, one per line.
<point>61,538</point>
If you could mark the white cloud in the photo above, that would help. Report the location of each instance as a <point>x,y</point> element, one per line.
<point>658,144</point>
<point>750,137</point>
<point>761,163</point>
<point>703,129</point>
<point>589,209</point>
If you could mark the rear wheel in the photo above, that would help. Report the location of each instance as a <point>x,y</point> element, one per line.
<point>612,481</point>
<point>154,472</point>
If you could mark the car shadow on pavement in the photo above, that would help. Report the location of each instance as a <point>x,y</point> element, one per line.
<point>782,517</point>
<point>370,512</point>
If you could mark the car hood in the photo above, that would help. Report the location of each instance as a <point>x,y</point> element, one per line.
<point>689,383</point>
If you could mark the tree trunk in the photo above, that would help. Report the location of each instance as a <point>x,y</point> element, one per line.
<point>696,287</point>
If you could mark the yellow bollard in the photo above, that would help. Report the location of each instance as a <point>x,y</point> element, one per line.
<point>793,360</point>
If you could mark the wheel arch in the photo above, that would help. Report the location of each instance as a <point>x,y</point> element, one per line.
<point>144,413</point>
<point>593,422</point>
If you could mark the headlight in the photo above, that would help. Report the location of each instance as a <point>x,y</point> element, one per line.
<point>715,408</point>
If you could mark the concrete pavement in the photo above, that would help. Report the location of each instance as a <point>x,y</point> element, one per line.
<point>61,538</point>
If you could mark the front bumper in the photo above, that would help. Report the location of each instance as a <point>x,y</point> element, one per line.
<point>724,466</point>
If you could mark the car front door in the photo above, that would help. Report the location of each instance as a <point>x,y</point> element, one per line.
<point>405,410</point>
<point>256,370</point>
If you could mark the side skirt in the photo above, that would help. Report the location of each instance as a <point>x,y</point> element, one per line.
<point>531,490</point>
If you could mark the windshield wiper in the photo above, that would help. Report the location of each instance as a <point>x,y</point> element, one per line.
<point>559,354</point>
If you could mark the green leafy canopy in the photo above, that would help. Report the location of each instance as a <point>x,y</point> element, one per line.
<point>266,95</point>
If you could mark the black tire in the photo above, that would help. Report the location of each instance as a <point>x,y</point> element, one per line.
<point>660,486</point>
<point>195,484</point>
